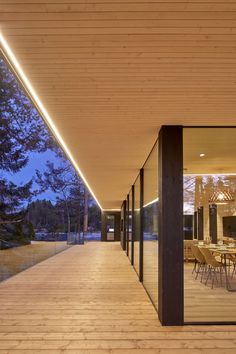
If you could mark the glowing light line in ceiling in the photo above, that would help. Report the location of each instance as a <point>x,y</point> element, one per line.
<point>39,105</point>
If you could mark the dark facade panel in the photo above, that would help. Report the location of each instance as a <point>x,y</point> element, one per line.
<point>133,234</point>
<point>200,223</point>
<point>213,222</point>
<point>170,223</point>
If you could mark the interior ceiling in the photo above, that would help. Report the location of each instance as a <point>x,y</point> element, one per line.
<point>218,146</point>
<point>111,72</point>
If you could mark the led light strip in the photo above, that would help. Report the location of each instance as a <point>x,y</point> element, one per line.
<point>151,202</point>
<point>111,209</point>
<point>30,90</point>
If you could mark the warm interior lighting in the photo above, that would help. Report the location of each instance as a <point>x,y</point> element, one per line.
<point>8,54</point>
<point>202,155</point>
<point>107,210</point>
<point>221,197</point>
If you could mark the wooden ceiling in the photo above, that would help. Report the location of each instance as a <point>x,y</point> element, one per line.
<point>111,72</point>
<point>217,145</point>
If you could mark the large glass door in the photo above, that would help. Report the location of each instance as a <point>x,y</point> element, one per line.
<point>209,197</point>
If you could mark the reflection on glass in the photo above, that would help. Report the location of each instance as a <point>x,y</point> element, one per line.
<point>150,212</point>
<point>15,258</point>
<point>136,223</point>
<point>209,224</point>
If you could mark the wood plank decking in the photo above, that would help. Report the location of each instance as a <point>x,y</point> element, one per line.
<point>86,300</point>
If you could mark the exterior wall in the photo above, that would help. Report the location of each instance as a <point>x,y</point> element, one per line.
<point>117,216</point>
<point>170,270</point>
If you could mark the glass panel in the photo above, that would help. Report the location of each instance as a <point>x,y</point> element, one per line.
<point>44,205</point>
<point>130,226</point>
<point>33,223</point>
<point>136,223</point>
<point>209,224</point>
<point>150,244</point>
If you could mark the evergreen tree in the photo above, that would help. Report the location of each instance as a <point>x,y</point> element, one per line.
<point>21,132</point>
<point>65,183</point>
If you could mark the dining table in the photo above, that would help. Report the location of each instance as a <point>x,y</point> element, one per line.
<point>223,252</point>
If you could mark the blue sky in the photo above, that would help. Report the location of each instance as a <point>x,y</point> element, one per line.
<point>36,161</point>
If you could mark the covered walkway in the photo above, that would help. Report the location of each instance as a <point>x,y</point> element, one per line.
<point>87,299</point>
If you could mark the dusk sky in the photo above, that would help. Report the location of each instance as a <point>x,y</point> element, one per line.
<point>36,161</point>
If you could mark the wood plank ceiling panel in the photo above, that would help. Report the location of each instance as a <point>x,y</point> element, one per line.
<point>111,72</point>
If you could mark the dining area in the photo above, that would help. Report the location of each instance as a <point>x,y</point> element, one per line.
<point>215,264</point>
<point>210,282</point>
<point>209,205</point>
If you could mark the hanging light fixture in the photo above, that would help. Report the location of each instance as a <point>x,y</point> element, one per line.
<point>221,195</point>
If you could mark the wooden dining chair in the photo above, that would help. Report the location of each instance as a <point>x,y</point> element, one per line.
<point>232,261</point>
<point>212,266</point>
<point>200,263</point>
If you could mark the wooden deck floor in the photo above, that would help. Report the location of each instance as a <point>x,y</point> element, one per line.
<point>86,300</point>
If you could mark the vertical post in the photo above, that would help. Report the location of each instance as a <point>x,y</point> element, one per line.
<point>127,225</point>
<point>170,222</point>
<point>124,227</point>
<point>86,199</point>
<point>213,222</point>
<point>141,227</point>
<point>195,225</point>
<point>103,227</point>
<point>200,223</point>
<point>132,242</point>
<point>117,215</point>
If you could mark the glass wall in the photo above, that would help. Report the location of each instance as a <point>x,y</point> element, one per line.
<point>136,223</point>
<point>130,226</point>
<point>15,257</point>
<point>150,236</point>
<point>36,217</point>
<point>210,229</point>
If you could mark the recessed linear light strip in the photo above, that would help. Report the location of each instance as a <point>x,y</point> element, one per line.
<point>111,209</point>
<point>151,202</point>
<point>27,85</point>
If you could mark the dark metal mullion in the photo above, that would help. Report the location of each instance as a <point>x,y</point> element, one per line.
<point>200,226</point>
<point>141,227</point>
<point>133,224</point>
<point>127,226</point>
<point>124,225</point>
